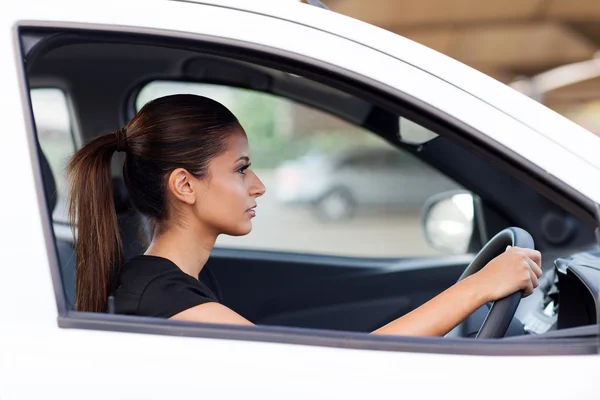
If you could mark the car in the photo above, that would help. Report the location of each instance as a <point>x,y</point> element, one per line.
<point>358,178</point>
<point>528,177</point>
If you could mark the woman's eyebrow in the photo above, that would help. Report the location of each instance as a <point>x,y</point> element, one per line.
<point>243,158</point>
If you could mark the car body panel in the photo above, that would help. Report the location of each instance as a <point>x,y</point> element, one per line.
<point>75,364</point>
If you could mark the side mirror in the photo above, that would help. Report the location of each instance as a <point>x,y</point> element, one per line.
<point>452,222</point>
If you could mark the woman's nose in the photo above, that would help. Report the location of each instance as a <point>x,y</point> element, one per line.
<point>258,188</point>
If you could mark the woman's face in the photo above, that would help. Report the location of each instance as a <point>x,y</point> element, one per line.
<point>226,199</point>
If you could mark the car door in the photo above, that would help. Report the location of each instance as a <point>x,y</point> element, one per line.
<point>73,355</point>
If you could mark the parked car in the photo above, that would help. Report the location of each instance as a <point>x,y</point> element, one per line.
<point>523,166</point>
<point>338,184</point>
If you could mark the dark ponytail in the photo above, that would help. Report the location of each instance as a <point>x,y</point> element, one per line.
<point>91,209</point>
<point>179,131</point>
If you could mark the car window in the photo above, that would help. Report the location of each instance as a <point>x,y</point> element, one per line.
<point>360,159</point>
<point>332,187</point>
<point>55,135</point>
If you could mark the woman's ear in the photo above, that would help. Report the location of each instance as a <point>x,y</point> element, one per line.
<point>181,185</point>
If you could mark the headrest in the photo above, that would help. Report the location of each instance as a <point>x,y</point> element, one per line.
<point>121,197</point>
<point>49,182</point>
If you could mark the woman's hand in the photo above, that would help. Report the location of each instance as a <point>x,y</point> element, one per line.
<point>515,269</point>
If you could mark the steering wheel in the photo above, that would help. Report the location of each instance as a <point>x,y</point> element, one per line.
<point>502,311</point>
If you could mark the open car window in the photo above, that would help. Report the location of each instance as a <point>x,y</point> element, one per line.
<point>334,182</point>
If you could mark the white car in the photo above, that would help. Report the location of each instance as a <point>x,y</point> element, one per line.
<point>522,167</point>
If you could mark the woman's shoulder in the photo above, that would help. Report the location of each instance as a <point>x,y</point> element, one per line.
<point>139,271</point>
<point>155,286</point>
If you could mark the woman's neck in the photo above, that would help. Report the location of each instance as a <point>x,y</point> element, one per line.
<point>188,251</point>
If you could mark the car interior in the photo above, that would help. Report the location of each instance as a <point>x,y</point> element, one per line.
<point>102,74</point>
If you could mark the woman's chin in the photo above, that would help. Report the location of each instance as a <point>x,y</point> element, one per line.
<point>241,230</point>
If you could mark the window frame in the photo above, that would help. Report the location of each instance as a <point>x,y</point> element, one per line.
<point>393,99</point>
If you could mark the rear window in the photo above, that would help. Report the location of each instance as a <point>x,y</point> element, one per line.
<point>55,134</point>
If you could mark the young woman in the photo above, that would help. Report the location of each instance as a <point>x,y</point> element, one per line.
<point>187,168</point>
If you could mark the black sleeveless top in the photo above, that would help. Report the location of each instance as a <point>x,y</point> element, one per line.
<point>155,287</point>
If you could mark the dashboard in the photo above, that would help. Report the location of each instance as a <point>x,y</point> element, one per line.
<point>568,295</point>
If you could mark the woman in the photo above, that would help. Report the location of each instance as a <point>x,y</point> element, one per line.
<point>187,168</point>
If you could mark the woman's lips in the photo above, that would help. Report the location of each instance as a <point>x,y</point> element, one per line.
<point>252,211</point>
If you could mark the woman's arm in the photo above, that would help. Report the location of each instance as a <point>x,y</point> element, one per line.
<point>516,269</point>
<point>439,315</point>
<point>211,313</point>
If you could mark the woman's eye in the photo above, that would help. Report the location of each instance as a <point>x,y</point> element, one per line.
<point>242,170</point>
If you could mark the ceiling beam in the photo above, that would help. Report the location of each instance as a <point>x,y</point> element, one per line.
<point>574,10</point>
<point>502,38</point>
<point>414,13</point>
<point>520,47</point>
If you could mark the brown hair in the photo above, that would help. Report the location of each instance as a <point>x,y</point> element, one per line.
<point>179,131</point>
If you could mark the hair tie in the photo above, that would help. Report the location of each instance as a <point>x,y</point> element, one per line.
<point>121,140</point>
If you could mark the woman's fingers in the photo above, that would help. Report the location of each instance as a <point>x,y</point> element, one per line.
<point>517,269</point>
<point>534,255</point>
<point>528,290</point>
<point>534,280</point>
<point>534,272</point>
<point>535,268</point>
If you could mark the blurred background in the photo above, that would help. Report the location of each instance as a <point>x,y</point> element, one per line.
<point>546,48</point>
<point>333,188</point>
